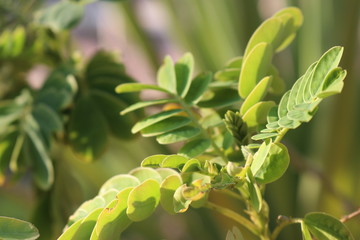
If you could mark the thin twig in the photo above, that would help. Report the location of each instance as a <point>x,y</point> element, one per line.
<point>283,222</point>
<point>350,216</point>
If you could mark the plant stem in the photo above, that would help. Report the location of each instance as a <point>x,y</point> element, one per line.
<point>232,194</point>
<point>204,132</point>
<point>350,216</point>
<point>234,216</point>
<point>285,221</point>
<point>248,163</point>
<point>281,135</point>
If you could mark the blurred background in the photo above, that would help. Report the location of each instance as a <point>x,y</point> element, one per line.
<point>325,168</point>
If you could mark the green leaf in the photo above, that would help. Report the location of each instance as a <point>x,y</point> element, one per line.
<point>262,136</point>
<point>268,32</point>
<point>282,109</point>
<point>306,92</point>
<point>256,65</point>
<point>286,122</point>
<point>183,71</point>
<point>228,74</point>
<point>119,182</point>
<point>153,161</point>
<point>333,83</point>
<point>144,104</point>
<point>12,228</point>
<point>143,200</point>
<point>221,97</point>
<point>88,136</point>
<point>85,209</point>
<point>87,225</point>
<point>145,173</point>
<point>273,125</point>
<point>292,19</point>
<point>277,86</point>
<point>167,190</point>
<point>110,106</point>
<point>106,66</point>
<point>324,227</point>
<point>273,115</point>
<point>299,115</point>
<point>327,62</point>
<point>166,125</point>
<point>63,15</point>
<point>58,90</point>
<point>47,118</point>
<point>260,157</point>
<point>235,62</point>
<point>174,161</point>
<point>292,101</point>
<point>11,145</point>
<point>11,110</point>
<point>137,87</point>
<point>178,135</point>
<point>113,219</point>
<point>154,119</point>
<point>36,151</point>
<point>256,95</point>
<point>197,88</point>
<point>180,203</point>
<point>70,231</point>
<point>305,232</point>
<point>257,114</point>
<point>165,172</point>
<point>195,147</point>
<point>192,165</point>
<point>274,165</point>
<point>166,76</point>
<point>255,194</point>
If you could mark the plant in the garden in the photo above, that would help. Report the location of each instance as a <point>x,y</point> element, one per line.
<point>229,124</point>
<point>232,132</point>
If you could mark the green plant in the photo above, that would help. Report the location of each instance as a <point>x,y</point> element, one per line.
<point>229,122</point>
<point>238,155</point>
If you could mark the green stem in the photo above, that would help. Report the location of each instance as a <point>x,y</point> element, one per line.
<point>234,216</point>
<point>281,135</point>
<point>191,115</point>
<point>248,163</point>
<point>232,194</point>
<point>285,222</point>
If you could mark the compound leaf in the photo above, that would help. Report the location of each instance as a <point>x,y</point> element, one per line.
<point>327,62</point>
